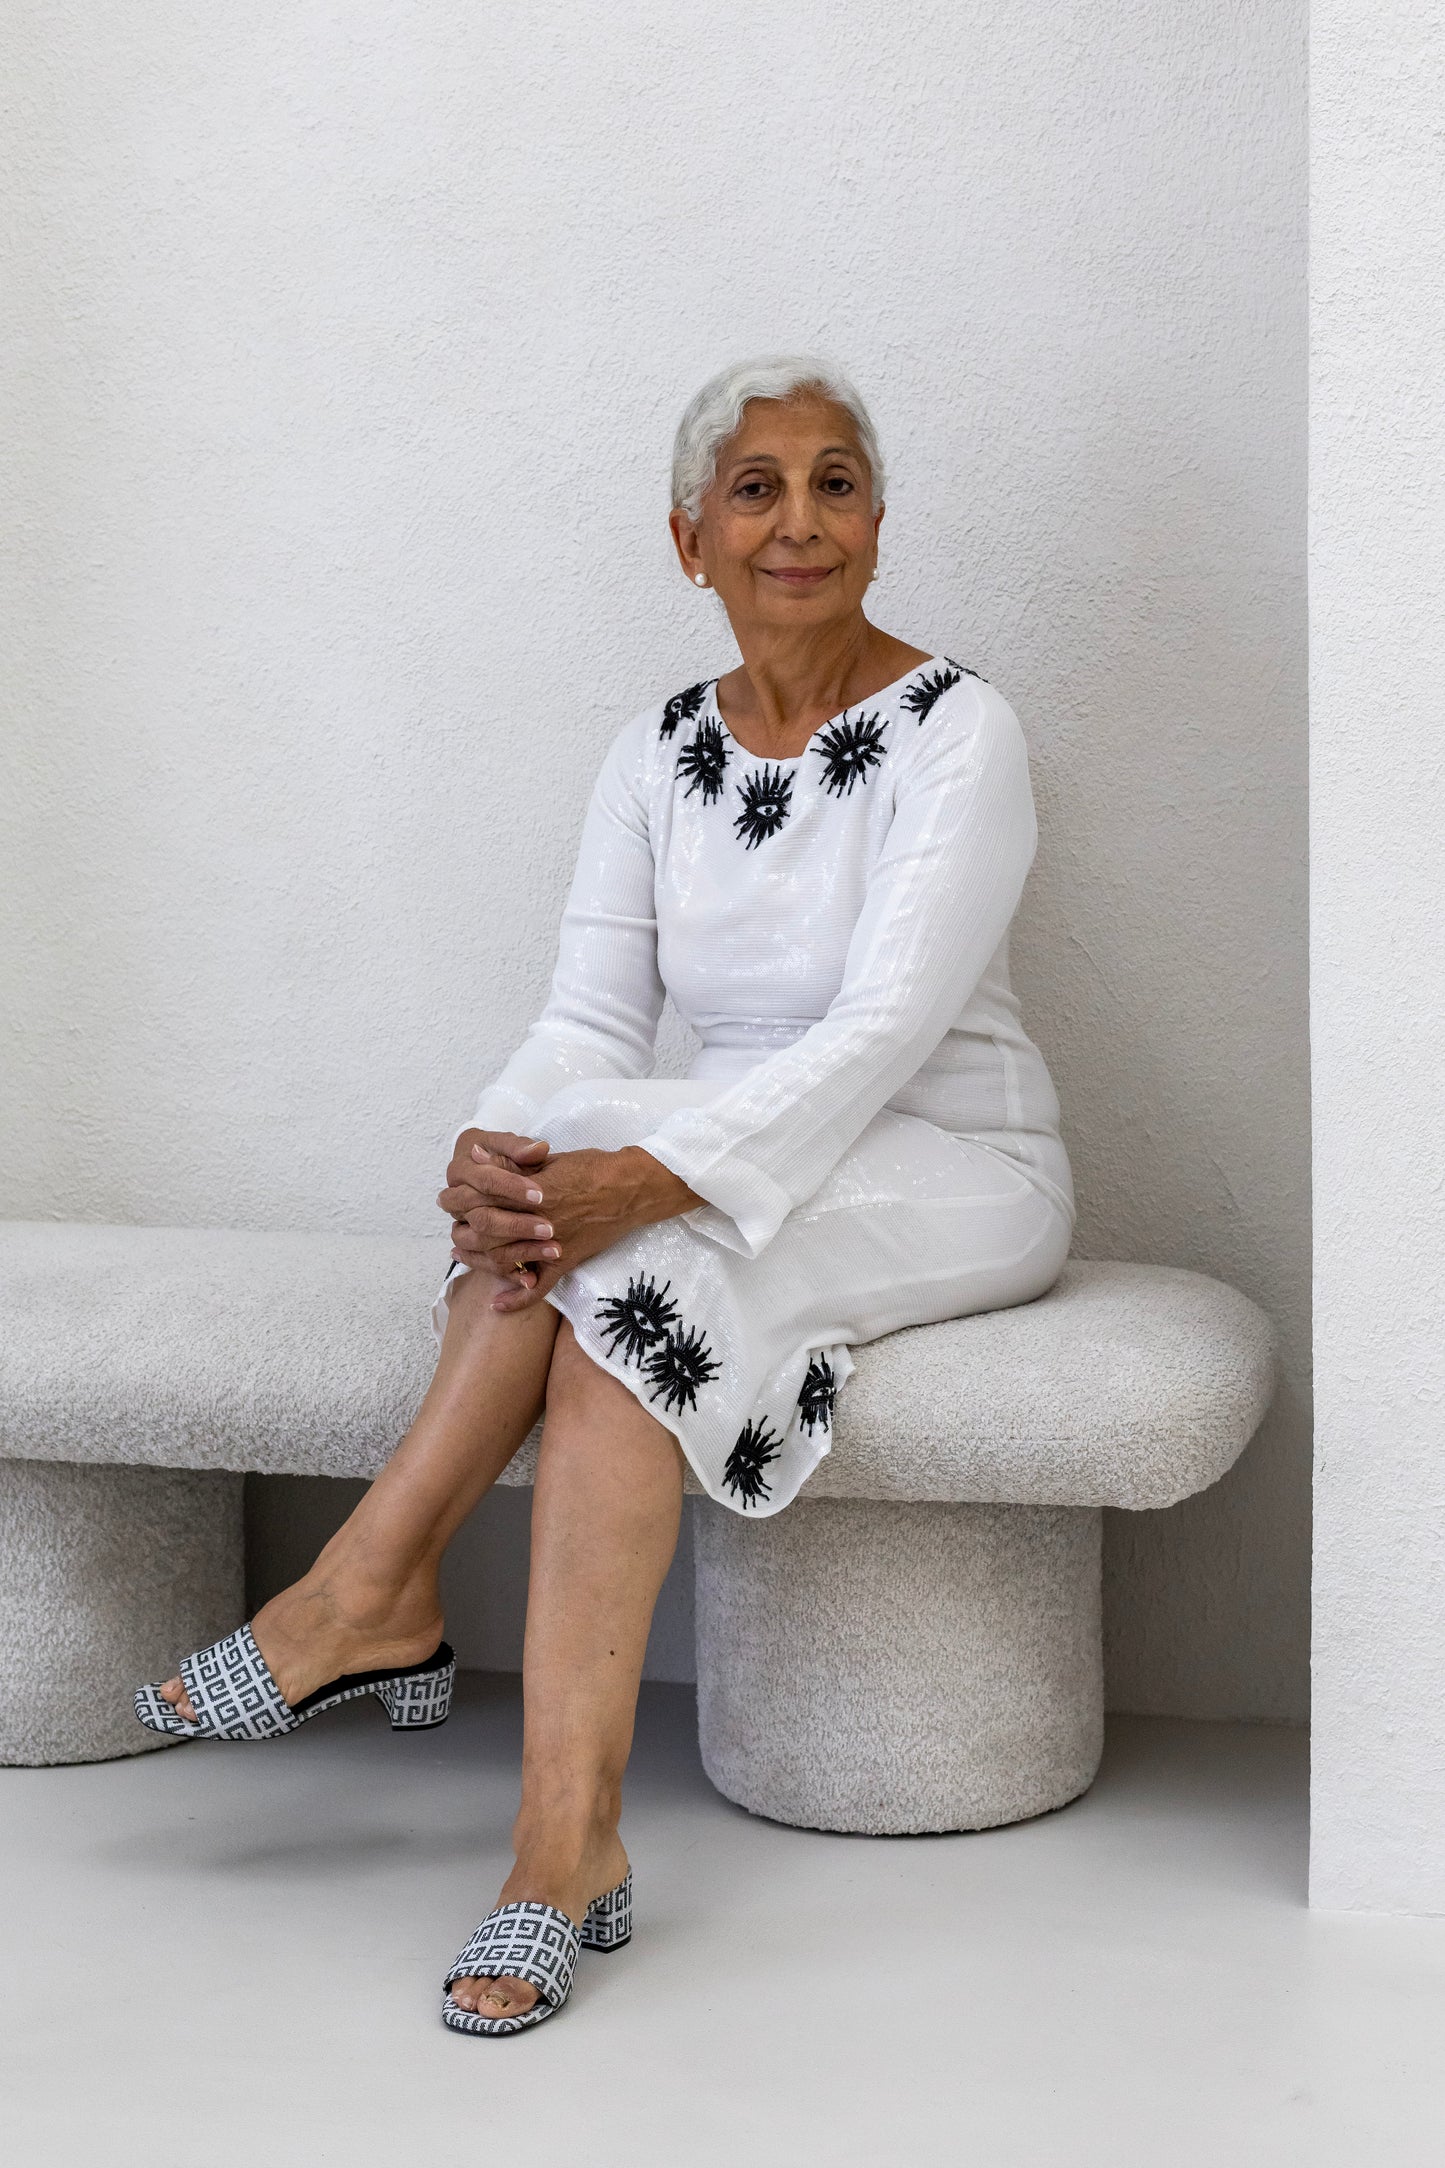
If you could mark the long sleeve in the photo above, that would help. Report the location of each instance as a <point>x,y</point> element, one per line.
<point>602,1014</point>
<point>939,900</point>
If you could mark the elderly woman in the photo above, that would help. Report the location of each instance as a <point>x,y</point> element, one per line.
<point>817,855</point>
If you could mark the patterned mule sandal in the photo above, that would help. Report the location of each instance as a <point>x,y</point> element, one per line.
<point>538,1944</point>
<point>235,1697</point>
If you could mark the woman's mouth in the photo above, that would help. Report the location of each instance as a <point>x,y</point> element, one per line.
<point>798,575</point>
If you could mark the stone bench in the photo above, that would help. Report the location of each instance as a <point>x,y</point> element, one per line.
<point>913,1645</point>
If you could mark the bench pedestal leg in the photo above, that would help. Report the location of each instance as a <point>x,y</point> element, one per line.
<point>108,1576</point>
<point>890,1668</point>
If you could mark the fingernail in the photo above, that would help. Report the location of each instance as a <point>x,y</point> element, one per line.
<point>543,1228</point>
<point>534,1196</point>
<point>552,1251</point>
<point>478,1153</point>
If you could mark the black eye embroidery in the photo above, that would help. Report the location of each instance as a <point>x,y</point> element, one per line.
<point>849,750</point>
<point>637,1320</point>
<point>704,759</point>
<point>765,795</point>
<point>820,1390</point>
<point>682,707</point>
<point>920,698</point>
<point>743,1473</point>
<point>678,1367</point>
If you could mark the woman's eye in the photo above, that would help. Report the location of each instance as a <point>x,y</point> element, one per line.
<point>753,489</point>
<point>838,485</point>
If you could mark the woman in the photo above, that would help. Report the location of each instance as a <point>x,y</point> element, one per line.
<point>817,855</point>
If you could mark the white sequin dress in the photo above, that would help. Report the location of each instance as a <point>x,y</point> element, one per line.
<point>875,1135</point>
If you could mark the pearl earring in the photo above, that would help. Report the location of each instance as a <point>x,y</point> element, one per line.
<point>700,579</point>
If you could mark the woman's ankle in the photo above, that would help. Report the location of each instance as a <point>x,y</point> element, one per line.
<point>366,1595</point>
<point>347,1625</point>
<point>568,1846</point>
<point>354,1569</point>
<point>567,1809</point>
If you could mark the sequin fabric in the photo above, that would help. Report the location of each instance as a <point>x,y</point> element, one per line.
<point>873,1133</point>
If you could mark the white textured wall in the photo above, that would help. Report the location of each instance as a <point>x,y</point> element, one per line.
<point>350,343</point>
<point>1377,666</point>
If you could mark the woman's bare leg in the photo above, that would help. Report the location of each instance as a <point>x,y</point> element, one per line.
<point>604,1527</point>
<point>371,1598</point>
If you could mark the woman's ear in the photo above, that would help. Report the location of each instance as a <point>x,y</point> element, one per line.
<point>685,542</point>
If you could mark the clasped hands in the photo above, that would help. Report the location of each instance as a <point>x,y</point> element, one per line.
<point>526,1216</point>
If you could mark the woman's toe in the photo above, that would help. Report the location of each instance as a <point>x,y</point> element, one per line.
<point>508,1998</point>
<point>493,1998</point>
<point>174,1692</point>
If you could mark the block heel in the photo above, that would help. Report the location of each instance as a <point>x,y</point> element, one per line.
<point>420,1700</point>
<point>609,1918</point>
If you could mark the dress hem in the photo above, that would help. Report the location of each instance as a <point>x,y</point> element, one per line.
<point>590,1340</point>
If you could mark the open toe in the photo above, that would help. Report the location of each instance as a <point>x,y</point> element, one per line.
<point>495,1997</point>
<point>534,1945</point>
<point>174,1691</point>
<point>228,1692</point>
<point>537,1945</point>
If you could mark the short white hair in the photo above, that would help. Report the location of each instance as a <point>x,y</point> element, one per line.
<point>713,417</point>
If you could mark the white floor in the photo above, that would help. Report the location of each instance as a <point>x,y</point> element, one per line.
<point>219,1956</point>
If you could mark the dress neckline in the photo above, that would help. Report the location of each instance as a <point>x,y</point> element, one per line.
<point>790,760</point>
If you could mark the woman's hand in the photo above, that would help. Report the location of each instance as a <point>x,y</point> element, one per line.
<point>492,1199</point>
<point>590,1200</point>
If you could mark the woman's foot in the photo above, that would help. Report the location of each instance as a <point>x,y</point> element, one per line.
<point>322,1628</point>
<point>560,1874</point>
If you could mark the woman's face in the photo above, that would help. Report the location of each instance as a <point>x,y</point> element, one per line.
<point>787,533</point>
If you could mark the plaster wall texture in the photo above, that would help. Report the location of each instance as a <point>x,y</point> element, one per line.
<point>348,348</point>
<point>1377,540</point>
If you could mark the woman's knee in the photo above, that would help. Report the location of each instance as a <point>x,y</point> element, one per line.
<point>469,1296</point>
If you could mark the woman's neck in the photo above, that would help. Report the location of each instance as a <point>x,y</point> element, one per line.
<point>790,683</point>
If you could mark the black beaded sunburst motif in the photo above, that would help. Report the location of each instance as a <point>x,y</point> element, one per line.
<point>677,1367</point>
<point>704,758</point>
<point>849,750</point>
<point>682,707</point>
<point>766,795</point>
<point>921,699</point>
<point>820,1390</point>
<point>743,1471</point>
<point>636,1321</point>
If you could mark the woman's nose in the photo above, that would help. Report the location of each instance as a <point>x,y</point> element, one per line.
<point>797,516</point>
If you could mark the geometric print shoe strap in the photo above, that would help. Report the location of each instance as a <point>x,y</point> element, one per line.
<point>529,1941</point>
<point>233,1693</point>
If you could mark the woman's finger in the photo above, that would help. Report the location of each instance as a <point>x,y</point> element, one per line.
<point>514,1147</point>
<point>496,1228</point>
<point>514,1296</point>
<point>495,1184</point>
<point>488,1185</point>
<point>492,1180</point>
<point>488,1229</point>
<point>523,1272</point>
<point>508,1255</point>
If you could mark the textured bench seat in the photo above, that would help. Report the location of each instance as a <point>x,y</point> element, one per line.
<point>914,1644</point>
